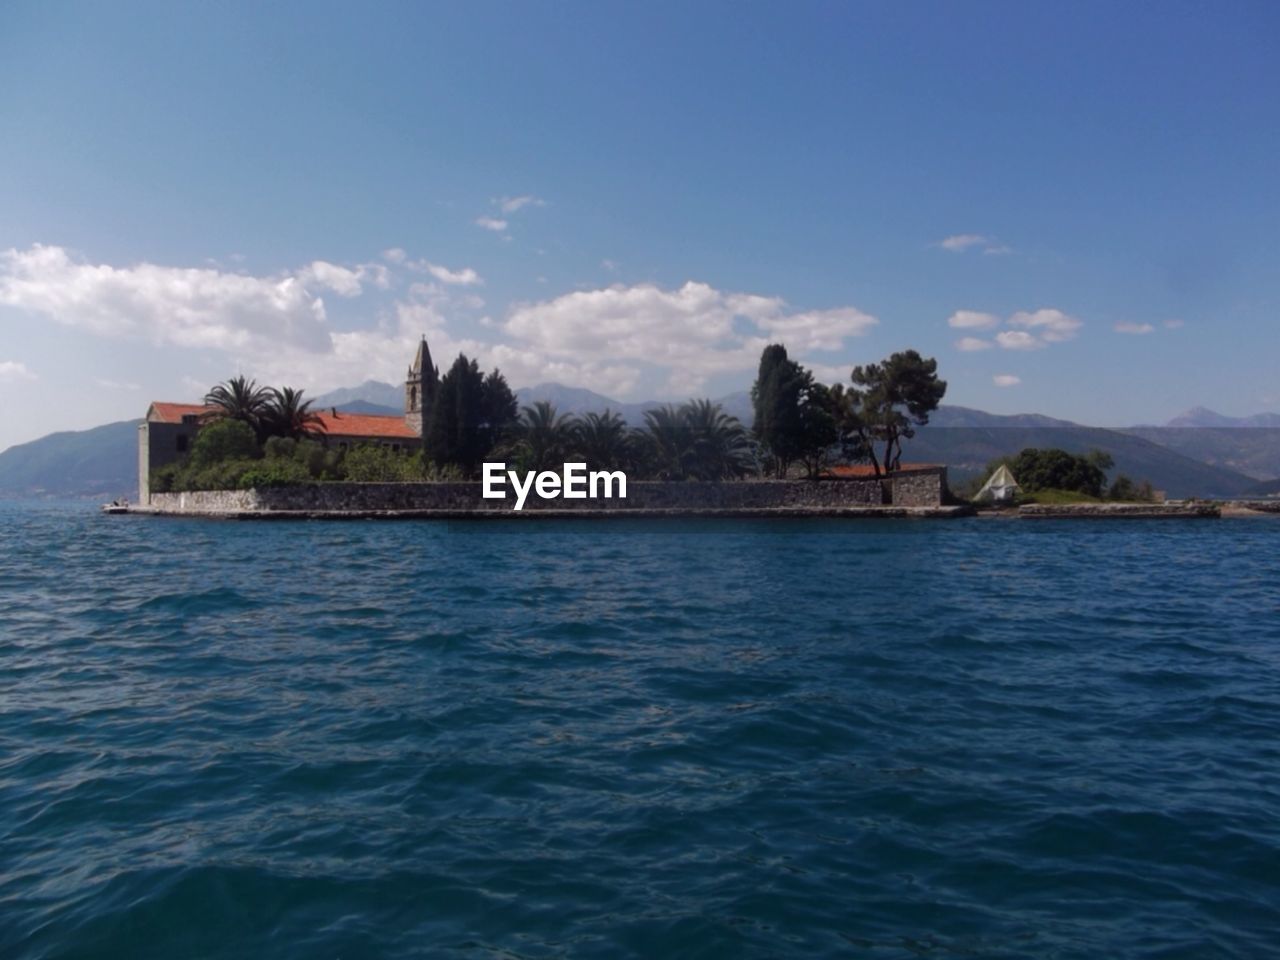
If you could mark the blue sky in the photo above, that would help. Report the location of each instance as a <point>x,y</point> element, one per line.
<point>1073,207</point>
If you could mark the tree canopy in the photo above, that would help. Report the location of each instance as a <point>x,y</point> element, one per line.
<point>268,411</point>
<point>794,418</point>
<point>889,400</point>
<point>1053,469</point>
<point>471,414</point>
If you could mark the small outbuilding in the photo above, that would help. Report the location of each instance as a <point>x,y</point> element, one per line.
<point>999,488</point>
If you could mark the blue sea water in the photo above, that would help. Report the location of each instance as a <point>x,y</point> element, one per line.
<point>718,739</point>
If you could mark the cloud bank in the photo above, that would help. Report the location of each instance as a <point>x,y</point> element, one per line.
<point>1033,330</point>
<point>276,327</point>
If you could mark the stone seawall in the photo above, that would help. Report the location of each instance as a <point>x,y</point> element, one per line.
<point>911,491</point>
<point>1119,511</point>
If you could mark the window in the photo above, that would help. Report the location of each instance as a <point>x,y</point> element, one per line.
<point>413,399</point>
<point>188,419</point>
<point>182,443</point>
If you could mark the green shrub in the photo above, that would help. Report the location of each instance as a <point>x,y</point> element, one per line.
<point>273,473</point>
<point>1037,470</point>
<point>224,440</point>
<point>162,479</point>
<point>374,463</point>
<point>320,462</point>
<point>280,448</point>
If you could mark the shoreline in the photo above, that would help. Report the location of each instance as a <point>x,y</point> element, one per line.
<point>639,513</point>
<point>1041,512</point>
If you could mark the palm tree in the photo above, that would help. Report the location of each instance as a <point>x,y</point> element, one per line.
<point>667,443</point>
<point>543,438</point>
<point>720,445</point>
<point>238,399</point>
<point>286,414</point>
<point>603,441</point>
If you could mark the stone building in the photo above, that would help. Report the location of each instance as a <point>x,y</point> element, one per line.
<point>169,429</point>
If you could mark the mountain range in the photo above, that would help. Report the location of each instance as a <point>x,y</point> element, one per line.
<point>1198,453</point>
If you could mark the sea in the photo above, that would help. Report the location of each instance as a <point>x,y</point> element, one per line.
<point>740,738</point>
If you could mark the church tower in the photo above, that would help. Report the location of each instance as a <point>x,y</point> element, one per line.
<point>420,390</point>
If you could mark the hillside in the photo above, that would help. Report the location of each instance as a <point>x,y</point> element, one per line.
<point>1253,451</point>
<point>1202,417</point>
<point>102,462</point>
<point>967,440</point>
<point>371,391</point>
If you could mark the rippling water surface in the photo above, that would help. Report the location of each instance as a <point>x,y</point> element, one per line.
<point>724,739</point>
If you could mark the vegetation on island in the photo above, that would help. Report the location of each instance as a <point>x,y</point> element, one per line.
<point>1056,476</point>
<point>798,420</point>
<point>262,437</point>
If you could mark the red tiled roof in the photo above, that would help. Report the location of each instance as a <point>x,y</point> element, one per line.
<point>863,470</point>
<point>381,426</point>
<point>174,412</point>
<point>386,426</point>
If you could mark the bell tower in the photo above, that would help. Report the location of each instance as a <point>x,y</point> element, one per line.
<point>420,389</point>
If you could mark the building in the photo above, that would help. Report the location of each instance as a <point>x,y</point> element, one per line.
<point>169,429</point>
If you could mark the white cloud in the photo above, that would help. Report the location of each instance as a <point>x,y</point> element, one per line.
<point>610,265</point>
<point>1038,329</point>
<point>116,385</point>
<point>1006,380</point>
<point>492,223</point>
<point>830,372</point>
<point>1134,328</point>
<point>394,255</point>
<point>329,276</point>
<point>11,371</point>
<point>972,320</point>
<point>1175,324</point>
<point>189,307</point>
<point>515,204</point>
<point>961,242</point>
<point>1054,326</point>
<point>466,277</point>
<point>695,331</point>
<point>1018,340</point>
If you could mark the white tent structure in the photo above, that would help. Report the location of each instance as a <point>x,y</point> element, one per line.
<point>999,488</point>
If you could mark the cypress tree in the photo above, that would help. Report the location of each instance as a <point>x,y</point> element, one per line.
<point>470,415</point>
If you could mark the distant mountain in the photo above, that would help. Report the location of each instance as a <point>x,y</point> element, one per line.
<point>577,401</point>
<point>1202,417</point>
<point>1269,489</point>
<point>949,416</point>
<point>1253,451</point>
<point>363,406</point>
<point>967,440</point>
<point>102,462</point>
<point>371,391</point>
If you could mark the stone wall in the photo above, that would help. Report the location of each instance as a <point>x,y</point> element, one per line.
<point>919,487</point>
<point>206,501</point>
<point>908,489</point>
<point>465,497</point>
